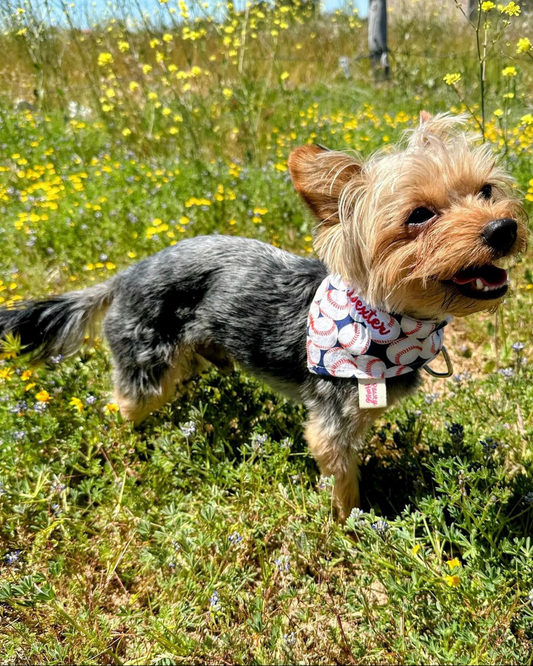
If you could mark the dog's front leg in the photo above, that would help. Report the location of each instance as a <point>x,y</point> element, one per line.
<point>334,441</point>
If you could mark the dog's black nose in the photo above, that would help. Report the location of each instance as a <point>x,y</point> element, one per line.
<point>500,234</point>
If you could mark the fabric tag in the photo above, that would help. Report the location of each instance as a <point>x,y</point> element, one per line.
<point>372,393</point>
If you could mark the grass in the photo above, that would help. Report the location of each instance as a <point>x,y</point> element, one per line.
<point>207,535</point>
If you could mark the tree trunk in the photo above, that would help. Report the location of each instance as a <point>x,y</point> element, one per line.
<point>377,37</point>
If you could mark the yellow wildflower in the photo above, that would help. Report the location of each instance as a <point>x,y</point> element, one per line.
<point>42,396</point>
<point>523,45</point>
<point>77,404</point>
<point>105,59</point>
<point>453,581</point>
<point>511,9</point>
<point>452,79</point>
<point>509,71</point>
<point>454,563</point>
<point>111,408</point>
<point>487,6</point>
<point>123,46</point>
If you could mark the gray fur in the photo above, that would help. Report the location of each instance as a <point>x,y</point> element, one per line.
<point>219,299</point>
<point>226,296</point>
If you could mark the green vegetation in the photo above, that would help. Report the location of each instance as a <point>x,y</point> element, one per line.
<point>206,535</point>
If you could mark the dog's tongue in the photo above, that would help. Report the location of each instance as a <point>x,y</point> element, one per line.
<point>490,276</point>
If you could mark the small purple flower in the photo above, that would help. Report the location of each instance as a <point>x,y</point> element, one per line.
<point>56,359</point>
<point>506,372</point>
<point>457,432</point>
<point>258,441</point>
<point>235,538</point>
<point>19,435</point>
<point>214,601</point>
<point>40,407</point>
<point>517,347</point>
<point>381,527</point>
<point>188,428</point>
<point>283,563</point>
<point>19,407</point>
<point>13,557</point>
<point>289,639</point>
<point>90,399</point>
<point>58,487</point>
<point>356,515</point>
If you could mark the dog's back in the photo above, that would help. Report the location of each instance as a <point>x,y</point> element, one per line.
<point>211,298</point>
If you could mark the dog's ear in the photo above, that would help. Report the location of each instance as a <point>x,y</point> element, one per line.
<point>319,176</point>
<point>425,116</point>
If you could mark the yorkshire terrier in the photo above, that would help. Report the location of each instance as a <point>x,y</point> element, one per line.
<point>406,240</point>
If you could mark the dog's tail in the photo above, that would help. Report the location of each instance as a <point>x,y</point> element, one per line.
<point>57,325</point>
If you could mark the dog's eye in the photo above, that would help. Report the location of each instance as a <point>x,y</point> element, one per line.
<point>420,215</point>
<point>486,192</point>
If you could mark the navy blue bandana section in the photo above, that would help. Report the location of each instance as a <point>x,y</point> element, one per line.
<point>346,337</point>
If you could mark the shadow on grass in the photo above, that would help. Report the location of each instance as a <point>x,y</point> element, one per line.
<point>399,458</point>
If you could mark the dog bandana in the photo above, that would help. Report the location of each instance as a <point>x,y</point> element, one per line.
<point>346,337</point>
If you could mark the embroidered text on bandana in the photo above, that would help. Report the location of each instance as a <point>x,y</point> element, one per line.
<point>347,338</point>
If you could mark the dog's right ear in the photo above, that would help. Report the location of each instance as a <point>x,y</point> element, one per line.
<point>319,175</point>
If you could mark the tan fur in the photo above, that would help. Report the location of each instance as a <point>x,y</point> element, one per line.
<point>365,238</point>
<point>363,207</point>
<point>188,363</point>
<point>336,452</point>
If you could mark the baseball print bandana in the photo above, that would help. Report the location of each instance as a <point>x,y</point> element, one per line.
<point>347,337</point>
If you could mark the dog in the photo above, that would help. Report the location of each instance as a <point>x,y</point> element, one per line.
<point>405,240</point>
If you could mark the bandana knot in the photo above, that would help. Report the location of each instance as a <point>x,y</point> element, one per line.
<point>347,337</point>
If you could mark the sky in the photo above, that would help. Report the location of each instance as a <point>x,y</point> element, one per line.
<point>149,5</point>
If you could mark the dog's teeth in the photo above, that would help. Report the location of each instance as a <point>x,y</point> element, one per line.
<point>479,284</point>
<point>485,288</point>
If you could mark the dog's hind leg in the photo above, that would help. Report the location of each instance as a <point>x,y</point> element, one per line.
<point>148,358</point>
<point>140,389</point>
<point>143,387</point>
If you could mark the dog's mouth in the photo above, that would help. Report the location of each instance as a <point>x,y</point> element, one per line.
<point>482,282</point>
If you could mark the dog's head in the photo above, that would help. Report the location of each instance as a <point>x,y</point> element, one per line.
<point>421,229</point>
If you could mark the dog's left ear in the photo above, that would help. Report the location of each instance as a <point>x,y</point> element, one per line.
<point>319,176</point>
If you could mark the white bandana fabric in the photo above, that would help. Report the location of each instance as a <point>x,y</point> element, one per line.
<point>346,337</point>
